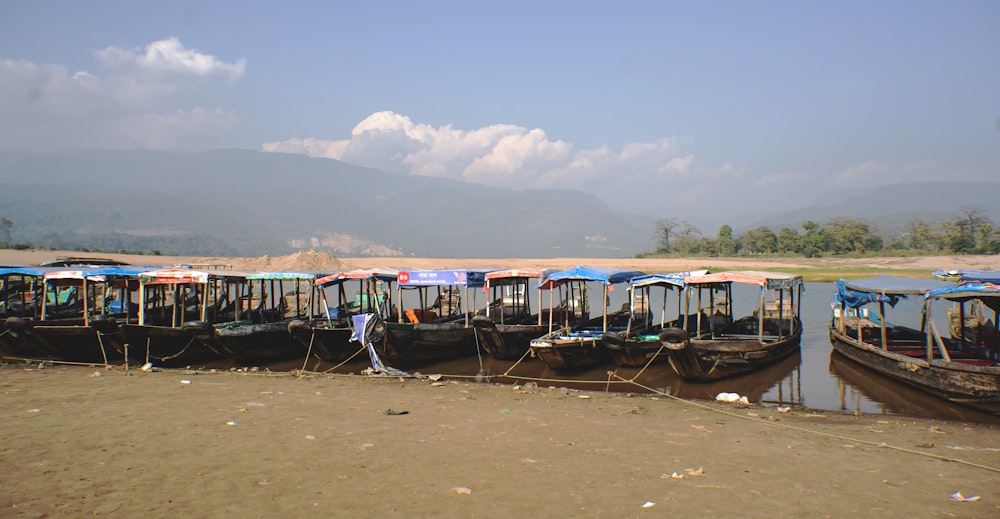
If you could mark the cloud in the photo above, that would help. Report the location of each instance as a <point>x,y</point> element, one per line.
<point>147,98</point>
<point>501,155</point>
<point>170,57</point>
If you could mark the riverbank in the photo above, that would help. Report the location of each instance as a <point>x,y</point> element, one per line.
<point>85,441</point>
<point>812,269</point>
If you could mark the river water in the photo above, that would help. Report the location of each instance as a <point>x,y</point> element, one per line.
<point>817,378</point>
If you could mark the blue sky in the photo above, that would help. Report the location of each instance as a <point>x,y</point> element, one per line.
<point>662,108</point>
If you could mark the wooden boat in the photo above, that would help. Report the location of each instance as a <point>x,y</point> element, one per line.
<point>176,308</point>
<point>976,321</point>
<point>435,329</point>
<point>327,332</point>
<point>576,344</point>
<point>508,320</point>
<point>639,344</point>
<point>69,324</point>
<point>952,368</point>
<point>713,345</point>
<point>261,334</point>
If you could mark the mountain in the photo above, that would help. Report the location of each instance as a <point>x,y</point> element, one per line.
<point>248,203</point>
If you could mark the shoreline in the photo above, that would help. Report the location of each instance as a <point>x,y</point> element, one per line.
<point>812,269</point>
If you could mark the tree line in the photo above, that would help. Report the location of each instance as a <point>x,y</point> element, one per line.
<point>970,231</point>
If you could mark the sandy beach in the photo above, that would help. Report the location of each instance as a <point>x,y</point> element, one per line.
<point>109,442</point>
<point>85,441</point>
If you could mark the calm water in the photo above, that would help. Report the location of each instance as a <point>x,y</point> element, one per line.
<point>816,378</point>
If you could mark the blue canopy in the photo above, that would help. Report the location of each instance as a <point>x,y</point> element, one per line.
<point>859,292</point>
<point>604,275</point>
<point>969,290</point>
<point>675,279</point>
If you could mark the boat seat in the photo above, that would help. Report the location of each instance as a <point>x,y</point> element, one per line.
<point>416,315</point>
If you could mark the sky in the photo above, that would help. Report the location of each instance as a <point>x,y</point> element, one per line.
<point>705,111</point>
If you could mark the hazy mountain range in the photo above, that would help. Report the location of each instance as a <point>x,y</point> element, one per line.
<point>249,203</point>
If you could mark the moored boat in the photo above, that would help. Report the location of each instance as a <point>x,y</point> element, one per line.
<point>712,345</point>
<point>509,318</point>
<point>176,308</point>
<point>576,344</point>
<point>326,334</point>
<point>950,367</point>
<point>435,329</point>
<point>639,344</point>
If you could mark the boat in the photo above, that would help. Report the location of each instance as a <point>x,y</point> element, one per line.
<point>260,334</point>
<point>326,334</point>
<point>976,321</point>
<point>639,344</point>
<point>509,319</point>
<point>433,329</point>
<point>176,308</point>
<point>576,343</point>
<point>713,345</point>
<point>66,320</point>
<point>950,367</point>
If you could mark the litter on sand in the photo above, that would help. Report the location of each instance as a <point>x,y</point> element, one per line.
<point>957,496</point>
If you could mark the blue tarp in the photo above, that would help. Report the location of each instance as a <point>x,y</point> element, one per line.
<point>607,276</point>
<point>676,279</point>
<point>856,293</point>
<point>967,291</point>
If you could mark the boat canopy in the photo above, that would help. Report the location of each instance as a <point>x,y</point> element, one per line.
<point>769,280</point>
<point>856,293</point>
<point>27,271</point>
<point>173,276</point>
<point>604,275</point>
<point>675,278</point>
<point>516,273</point>
<point>381,274</point>
<point>280,275</point>
<point>423,278</point>
<point>988,293</point>
<point>982,276</point>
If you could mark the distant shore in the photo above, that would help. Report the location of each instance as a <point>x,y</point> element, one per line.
<point>813,269</point>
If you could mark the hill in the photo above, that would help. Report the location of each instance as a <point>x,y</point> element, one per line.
<point>247,203</point>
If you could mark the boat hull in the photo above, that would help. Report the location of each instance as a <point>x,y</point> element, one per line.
<point>960,382</point>
<point>411,345</point>
<point>175,347</point>
<point>100,342</point>
<point>714,359</point>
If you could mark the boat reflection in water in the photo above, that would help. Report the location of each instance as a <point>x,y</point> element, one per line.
<point>778,383</point>
<point>858,383</point>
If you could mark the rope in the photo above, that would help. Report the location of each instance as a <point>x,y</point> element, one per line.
<point>361,349</point>
<point>882,445</point>
<point>309,350</point>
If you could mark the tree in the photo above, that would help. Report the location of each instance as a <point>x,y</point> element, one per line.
<point>789,240</point>
<point>760,240</point>
<point>663,231</point>
<point>970,231</point>
<point>725,245</point>
<point>847,235</point>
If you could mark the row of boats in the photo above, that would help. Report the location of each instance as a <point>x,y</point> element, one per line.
<point>186,316</point>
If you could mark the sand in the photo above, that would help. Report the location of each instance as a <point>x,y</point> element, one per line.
<point>84,441</point>
<point>314,260</point>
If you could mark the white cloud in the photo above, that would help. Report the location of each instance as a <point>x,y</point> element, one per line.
<point>501,155</point>
<point>136,98</point>
<point>169,56</point>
